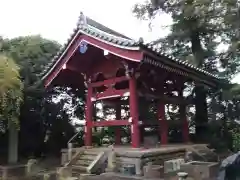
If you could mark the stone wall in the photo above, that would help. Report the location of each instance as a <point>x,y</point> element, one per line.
<point>141,158</point>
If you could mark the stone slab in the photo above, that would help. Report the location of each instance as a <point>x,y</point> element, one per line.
<point>153,171</point>
<point>201,170</point>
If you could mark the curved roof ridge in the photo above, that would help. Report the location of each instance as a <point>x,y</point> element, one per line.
<point>119,37</point>
<point>104,29</point>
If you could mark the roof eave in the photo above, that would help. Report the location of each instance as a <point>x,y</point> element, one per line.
<point>129,45</point>
<point>177,63</point>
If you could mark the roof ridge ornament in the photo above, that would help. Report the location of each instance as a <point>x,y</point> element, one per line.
<point>141,40</point>
<point>82,20</point>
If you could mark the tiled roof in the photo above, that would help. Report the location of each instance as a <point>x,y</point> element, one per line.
<point>180,62</point>
<point>103,28</point>
<point>98,31</point>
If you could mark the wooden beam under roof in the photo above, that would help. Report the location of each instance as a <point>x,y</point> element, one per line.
<point>166,98</point>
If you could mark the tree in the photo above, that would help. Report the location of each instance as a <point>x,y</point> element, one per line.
<point>10,102</point>
<point>230,59</point>
<point>10,91</point>
<point>32,54</point>
<point>198,28</point>
<point>40,114</point>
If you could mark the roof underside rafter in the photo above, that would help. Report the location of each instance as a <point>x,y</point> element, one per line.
<point>97,31</point>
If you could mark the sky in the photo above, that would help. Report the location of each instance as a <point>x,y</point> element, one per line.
<point>54,19</point>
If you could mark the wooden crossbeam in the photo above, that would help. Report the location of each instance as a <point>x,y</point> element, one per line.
<point>112,93</point>
<point>109,81</point>
<point>166,98</point>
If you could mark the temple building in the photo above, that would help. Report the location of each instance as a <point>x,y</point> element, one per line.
<point>120,71</point>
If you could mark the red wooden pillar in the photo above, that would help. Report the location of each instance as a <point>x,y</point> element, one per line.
<point>88,114</point>
<point>185,129</point>
<point>133,101</point>
<point>163,128</point>
<point>117,128</point>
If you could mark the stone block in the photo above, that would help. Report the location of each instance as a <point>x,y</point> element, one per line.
<point>111,159</point>
<point>153,171</point>
<point>31,167</point>
<point>201,170</point>
<point>123,161</point>
<point>188,156</point>
<point>63,173</point>
<point>51,175</point>
<point>64,159</point>
<point>182,175</point>
<point>173,165</point>
<point>129,169</point>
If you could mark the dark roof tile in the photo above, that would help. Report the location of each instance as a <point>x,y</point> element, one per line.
<point>103,28</point>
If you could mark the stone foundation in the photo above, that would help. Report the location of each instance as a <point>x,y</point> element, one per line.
<point>140,158</point>
<point>201,170</point>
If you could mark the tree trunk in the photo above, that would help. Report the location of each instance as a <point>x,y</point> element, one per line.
<point>201,118</point>
<point>12,144</point>
<point>197,49</point>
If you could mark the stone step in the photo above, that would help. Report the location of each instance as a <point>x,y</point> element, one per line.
<point>83,162</point>
<point>204,152</point>
<point>210,156</point>
<point>87,157</point>
<point>71,178</point>
<point>92,152</point>
<point>201,148</point>
<point>79,168</point>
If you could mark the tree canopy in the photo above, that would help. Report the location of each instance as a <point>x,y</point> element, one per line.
<point>198,28</point>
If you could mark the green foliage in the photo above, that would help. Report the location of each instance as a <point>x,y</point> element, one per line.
<point>231,93</point>
<point>198,28</point>
<point>236,141</point>
<point>31,53</point>
<point>45,119</point>
<point>10,91</point>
